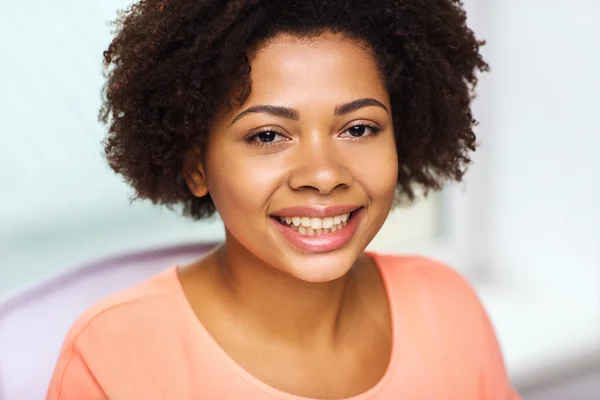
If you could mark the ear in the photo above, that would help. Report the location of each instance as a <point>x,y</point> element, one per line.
<point>193,171</point>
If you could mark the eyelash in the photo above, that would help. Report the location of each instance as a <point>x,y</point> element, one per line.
<point>252,138</point>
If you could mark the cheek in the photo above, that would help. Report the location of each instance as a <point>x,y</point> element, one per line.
<point>377,171</point>
<point>240,185</point>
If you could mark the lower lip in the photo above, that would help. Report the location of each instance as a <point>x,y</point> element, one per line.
<point>323,242</point>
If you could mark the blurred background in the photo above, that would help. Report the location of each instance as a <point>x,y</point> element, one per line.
<point>524,228</point>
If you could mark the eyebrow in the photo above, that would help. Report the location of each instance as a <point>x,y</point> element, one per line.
<point>290,113</point>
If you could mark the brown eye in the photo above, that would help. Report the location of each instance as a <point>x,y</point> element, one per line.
<point>266,137</point>
<point>362,130</point>
<point>358,130</point>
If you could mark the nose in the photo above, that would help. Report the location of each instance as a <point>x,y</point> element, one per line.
<point>319,165</point>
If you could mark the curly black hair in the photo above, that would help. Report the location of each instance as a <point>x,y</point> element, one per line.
<point>173,63</point>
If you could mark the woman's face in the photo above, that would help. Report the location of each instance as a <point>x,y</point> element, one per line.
<point>313,143</point>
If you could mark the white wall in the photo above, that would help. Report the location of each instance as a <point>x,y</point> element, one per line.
<point>545,137</point>
<point>541,181</point>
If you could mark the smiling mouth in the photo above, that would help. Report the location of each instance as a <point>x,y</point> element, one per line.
<point>310,226</point>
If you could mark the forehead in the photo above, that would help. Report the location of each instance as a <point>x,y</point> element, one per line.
<point>328,67</point>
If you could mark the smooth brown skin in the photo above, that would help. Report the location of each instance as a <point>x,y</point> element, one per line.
<point>312,324</point>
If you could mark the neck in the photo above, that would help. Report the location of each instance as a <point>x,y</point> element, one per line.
<point>280,306</point>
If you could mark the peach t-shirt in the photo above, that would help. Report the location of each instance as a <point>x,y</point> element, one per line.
<point>146,343</point>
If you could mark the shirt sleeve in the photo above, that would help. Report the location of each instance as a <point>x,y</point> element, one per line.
<point>72,378</point>
<point>461,315</point>
<point>496,384</point>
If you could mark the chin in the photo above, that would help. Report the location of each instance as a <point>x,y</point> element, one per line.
<point>320,267</point>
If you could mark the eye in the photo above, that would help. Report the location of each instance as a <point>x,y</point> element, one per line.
<point>266,137</point>
<point>361,130</point>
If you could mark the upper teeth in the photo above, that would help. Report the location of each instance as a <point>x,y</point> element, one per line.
<point>316,223</point>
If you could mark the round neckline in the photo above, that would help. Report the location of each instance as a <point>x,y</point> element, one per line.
<point>276,393</point>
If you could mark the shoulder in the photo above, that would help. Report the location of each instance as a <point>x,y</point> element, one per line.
<point>447,320</point>
<point>128,311</point>
<point>433,290</point>
<point>129,332</point>
<point>420,272</point>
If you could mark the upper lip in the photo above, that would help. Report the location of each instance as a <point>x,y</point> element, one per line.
<point>315,211</point>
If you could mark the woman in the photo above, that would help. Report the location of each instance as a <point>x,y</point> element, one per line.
<point>301,123</point>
